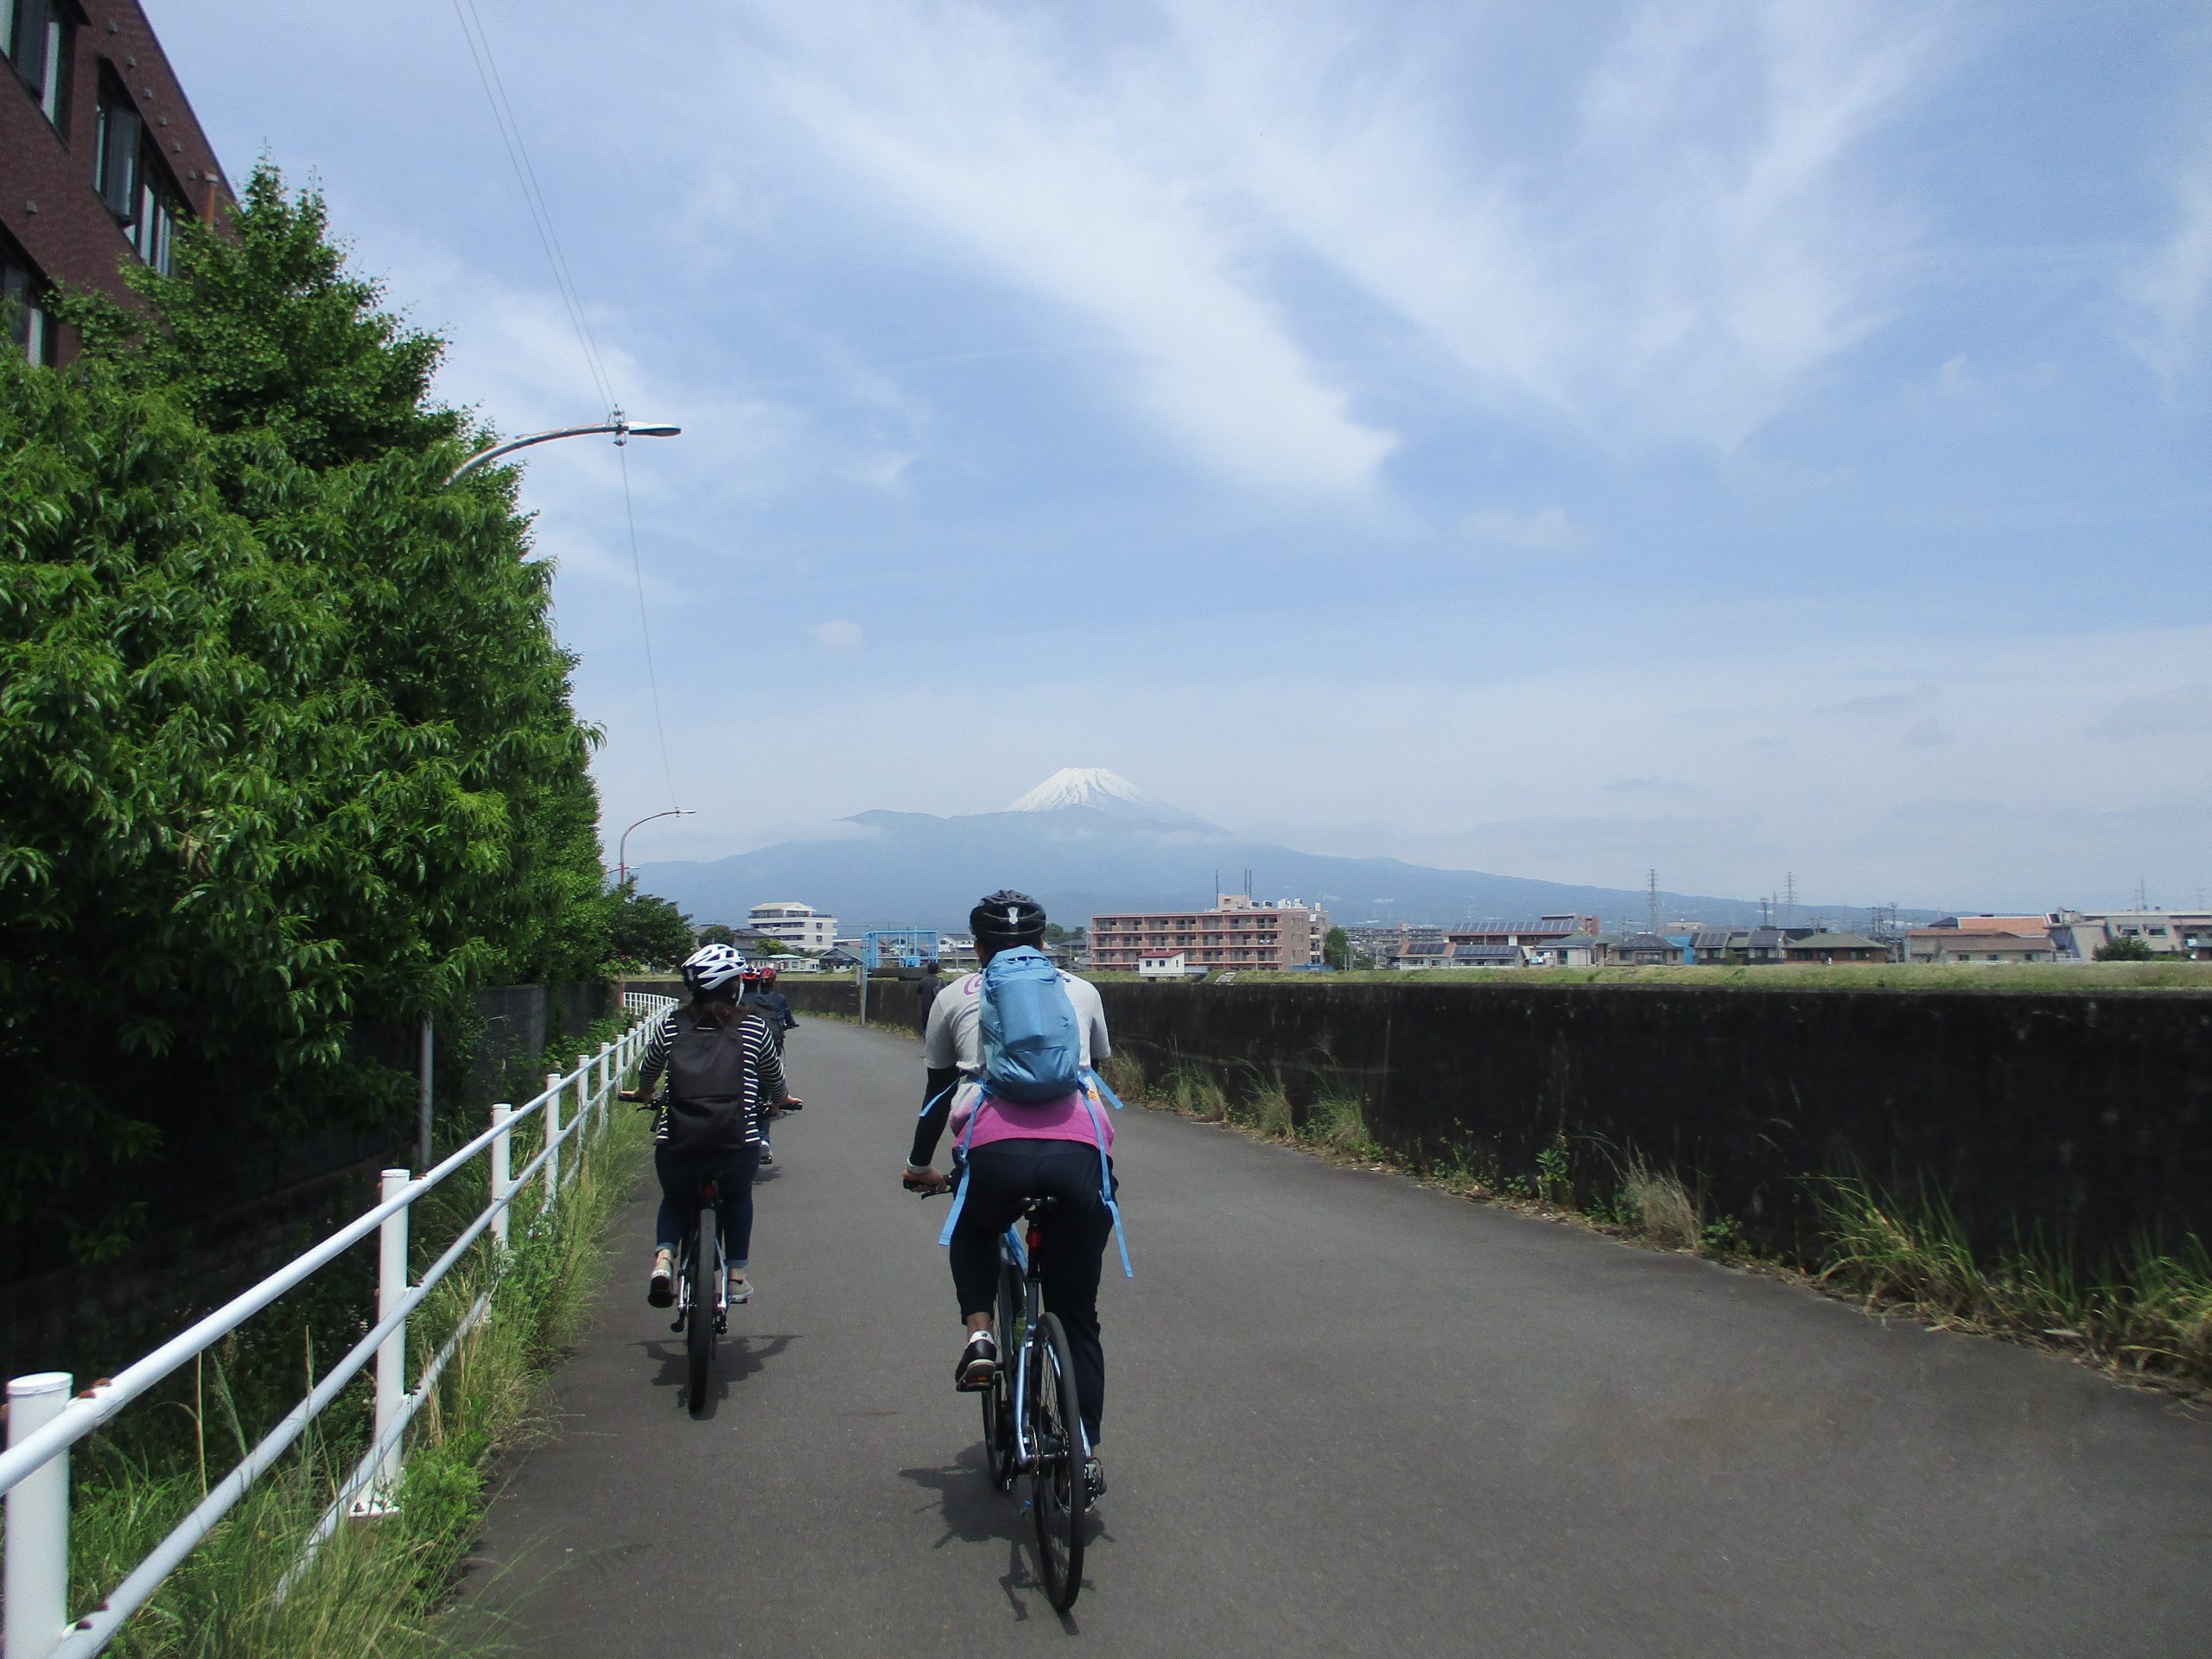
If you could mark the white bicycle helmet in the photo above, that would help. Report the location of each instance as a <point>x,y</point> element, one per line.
<point>712,966</point>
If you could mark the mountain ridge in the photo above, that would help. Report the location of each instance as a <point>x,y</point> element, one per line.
<point>1080,859</point>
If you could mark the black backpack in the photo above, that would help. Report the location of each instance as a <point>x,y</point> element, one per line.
<point>706,1086</point>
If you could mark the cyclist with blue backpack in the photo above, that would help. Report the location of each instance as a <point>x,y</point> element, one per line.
<point>1009,1052</point>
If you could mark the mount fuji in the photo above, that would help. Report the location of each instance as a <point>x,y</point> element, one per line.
<point>1087,842</point>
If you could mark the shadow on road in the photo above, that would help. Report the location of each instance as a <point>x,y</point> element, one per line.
<point>977,1512</point>
<point>737,1357</point>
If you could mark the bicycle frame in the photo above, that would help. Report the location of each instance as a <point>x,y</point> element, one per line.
<point>706,1198</point>
<point>1015,1254</point>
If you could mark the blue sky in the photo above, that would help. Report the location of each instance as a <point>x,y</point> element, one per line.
<point>1737,439</point>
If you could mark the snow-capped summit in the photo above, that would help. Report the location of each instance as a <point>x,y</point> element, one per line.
<point>1101,790</point>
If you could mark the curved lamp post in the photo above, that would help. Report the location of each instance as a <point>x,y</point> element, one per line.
<point>618,426</point>
<point>622,847</point>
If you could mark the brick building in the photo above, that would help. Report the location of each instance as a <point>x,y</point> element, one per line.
<point>1237,932</point>
<point>100,158</point>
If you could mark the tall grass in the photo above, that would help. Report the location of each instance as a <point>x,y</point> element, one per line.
<point>377,1588</point>
<point>2149,1312</point>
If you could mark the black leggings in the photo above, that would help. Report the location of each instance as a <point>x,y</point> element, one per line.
<point>999,1177</point>
<point>680,1174</point>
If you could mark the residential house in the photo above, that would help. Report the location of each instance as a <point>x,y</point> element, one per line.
<point>1830,948</point>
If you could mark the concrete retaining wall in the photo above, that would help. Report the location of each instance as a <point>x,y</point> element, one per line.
<point>2085,1118</point>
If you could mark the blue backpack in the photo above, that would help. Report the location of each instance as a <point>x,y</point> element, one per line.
<point>1032,1046</point>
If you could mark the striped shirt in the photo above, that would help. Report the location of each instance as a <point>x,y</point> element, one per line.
<point>764,1069</point>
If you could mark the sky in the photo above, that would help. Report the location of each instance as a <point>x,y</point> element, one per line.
<point>1740,440</point>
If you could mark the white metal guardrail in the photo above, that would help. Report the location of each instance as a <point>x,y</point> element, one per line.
<point>44,1421</point>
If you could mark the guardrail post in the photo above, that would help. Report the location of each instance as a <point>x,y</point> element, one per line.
<point>37,1578</point>
<point>584,1108</point>
<point>391,1353</point>
<point>552,1135</point>
<point>501,1182</point>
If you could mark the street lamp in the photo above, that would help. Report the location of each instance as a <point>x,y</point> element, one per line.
<point>622,847</point>
<point>623,429</point>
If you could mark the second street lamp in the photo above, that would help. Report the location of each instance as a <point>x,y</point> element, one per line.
<point>622,847</point>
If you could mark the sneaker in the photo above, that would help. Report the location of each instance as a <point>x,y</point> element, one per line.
<point>767,1156</point>
<point>1093,1477</point>
<point>740,1288</point>
<point>660,1291</point>
<point>978,1364</point>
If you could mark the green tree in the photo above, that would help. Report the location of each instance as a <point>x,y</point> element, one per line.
<point>649,931</point>
<point>284,733</point>
<point>2125,947</point>
<point>718,933</point>
<point>1336,949</point>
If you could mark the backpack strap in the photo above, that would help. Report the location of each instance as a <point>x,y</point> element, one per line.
<point>960,1193</point>
<point>1106,1177</point>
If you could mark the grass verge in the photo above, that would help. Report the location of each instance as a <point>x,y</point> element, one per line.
<point>379,1587</point>
<point>2148,1318</point>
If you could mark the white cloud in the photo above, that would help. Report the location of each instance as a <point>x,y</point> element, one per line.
<point>1546,529</point>
<point>2169,292</point>
<point>1671,266</point>
<point>841,637</point>
<point>1005,146</point>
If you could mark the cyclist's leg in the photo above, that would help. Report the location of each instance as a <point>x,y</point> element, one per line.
<point>1069,1259</point>
<point>734,1204</point>
<point>678,1186</point>
<point>999,1177</point>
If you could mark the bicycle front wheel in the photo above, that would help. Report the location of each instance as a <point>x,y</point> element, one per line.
<point>699,1328</point>
<point>1058,1494</point>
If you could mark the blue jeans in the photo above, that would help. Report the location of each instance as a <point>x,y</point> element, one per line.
<point>732,1174</point>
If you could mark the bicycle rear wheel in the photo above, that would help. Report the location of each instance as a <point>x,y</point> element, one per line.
<point>1059,1496</point>
<point>699,1328</point>
<point>998,1399</point>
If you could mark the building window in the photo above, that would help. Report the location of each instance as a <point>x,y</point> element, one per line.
<point>39,36</point>
<point>128,172</point>
<point>23,294</point>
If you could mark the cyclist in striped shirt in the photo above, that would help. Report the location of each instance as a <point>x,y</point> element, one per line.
<point>723,1071</point>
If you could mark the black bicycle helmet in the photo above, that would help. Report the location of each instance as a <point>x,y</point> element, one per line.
<point>1007,918</point>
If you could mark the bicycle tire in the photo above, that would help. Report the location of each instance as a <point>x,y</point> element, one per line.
<point>1059,1496</point>
<point>998,1399</point>
<point>699,1328</point>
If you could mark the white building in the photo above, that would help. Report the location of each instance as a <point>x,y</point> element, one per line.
<point>1160,964</point>
<point>788,922</point>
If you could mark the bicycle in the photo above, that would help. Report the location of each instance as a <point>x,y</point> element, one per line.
<point>1033,1424</point>
<point>701,1283</point>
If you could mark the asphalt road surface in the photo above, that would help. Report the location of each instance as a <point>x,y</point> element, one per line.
<point>1345,1416</point>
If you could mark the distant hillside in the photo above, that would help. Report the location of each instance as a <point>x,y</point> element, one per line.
<point>1088,843</point>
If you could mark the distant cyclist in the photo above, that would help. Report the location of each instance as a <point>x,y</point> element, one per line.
<point>723,1069</point>
<point>759,994</point>
<point>1018,1151</point>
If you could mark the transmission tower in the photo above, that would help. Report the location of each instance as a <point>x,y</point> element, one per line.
<point>1652,899</point>
<point>1790,900</point>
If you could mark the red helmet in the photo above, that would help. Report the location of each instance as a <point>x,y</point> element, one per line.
<point>768,972</point>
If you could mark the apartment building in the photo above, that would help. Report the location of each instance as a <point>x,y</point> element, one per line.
<point>1239,933</point>
<point>101,158</point>
<point>788,922</point>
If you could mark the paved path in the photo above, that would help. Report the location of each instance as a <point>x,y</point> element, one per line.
<point>1346,1416</point>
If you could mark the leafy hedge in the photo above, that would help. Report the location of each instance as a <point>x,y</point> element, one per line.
<point>285,735</point>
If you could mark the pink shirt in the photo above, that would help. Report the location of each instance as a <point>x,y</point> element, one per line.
<point>1066,1119</point>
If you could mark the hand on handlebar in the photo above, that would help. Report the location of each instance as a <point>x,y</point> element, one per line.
<point>928,1185</point>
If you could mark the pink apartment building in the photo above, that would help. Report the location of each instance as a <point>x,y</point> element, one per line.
<point>1237,932</point>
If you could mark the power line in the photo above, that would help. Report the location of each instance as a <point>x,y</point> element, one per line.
<point>548,238</point>
<point>540,216</point>
<point>652,678</point>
